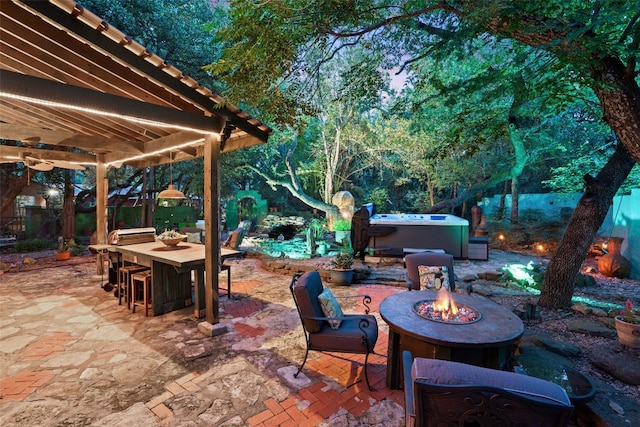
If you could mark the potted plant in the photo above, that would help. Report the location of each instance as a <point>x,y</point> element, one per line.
<point>64,249</point>
<point>628,325</point>
<point>342,228</point>
<point>342,273</point>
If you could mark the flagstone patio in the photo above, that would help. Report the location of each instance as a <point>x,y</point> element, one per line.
<point>70,355</point>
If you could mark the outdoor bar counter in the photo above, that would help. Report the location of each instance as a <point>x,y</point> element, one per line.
<point>171,268</point>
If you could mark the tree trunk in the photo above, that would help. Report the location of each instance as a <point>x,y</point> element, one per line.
<point>515,200</point>
<point>619,95</point>
<point>503,197</point>
<point>564,267</point>
<point>68,208</point>
<point>293,185</point>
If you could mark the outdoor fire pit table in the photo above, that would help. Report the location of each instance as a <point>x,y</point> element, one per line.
<point>486,341</point>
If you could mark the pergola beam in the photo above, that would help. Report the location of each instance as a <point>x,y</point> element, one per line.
<point>73,97</point>
<point>91,143</point>
<point>8,152</point>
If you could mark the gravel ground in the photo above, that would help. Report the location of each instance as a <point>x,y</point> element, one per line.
<point>555,322</point>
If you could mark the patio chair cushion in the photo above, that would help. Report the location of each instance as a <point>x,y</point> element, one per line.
<point>349,338</point>
<point>330,307</point>
<point>434,259</point>
<point>434,278</point>
<point>306,290</point>
<point>434,371</point>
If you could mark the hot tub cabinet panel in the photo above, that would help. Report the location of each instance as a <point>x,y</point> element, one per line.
<point>419,231</point>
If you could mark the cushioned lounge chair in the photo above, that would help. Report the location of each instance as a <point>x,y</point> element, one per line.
<point>444,393</point>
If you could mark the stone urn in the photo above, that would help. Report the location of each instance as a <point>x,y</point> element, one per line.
<point>614,265</point>
<point>628,333</point>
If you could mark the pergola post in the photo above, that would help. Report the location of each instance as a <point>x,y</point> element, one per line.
<point>102,189</point>
<point>212,226</point>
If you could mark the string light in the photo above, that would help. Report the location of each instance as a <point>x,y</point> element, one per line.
<point>132,119</point>
<point>118,163</point>
<point>137,120</point>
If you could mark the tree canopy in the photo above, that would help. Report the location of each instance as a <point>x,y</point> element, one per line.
<point>542,58</point>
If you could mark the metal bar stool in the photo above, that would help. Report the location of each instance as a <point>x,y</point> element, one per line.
<point>224,267</point>
<point>142,279</point>
<point>124,281</point>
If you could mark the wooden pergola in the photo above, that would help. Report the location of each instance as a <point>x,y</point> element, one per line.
<point>95,97</point>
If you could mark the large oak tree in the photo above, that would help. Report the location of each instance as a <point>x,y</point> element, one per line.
<point>589,43</point>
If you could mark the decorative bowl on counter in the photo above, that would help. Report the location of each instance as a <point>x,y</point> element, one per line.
<point>171,238</point>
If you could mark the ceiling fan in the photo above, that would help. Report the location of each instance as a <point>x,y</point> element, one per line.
<point>34,161</point>
<point>47,165</point>
<point>38,164</point>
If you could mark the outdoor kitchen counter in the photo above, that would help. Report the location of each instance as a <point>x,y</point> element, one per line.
<point>487,342</point>
<point>171,268</point>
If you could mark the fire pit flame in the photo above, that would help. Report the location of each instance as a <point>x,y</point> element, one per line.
<point>445,310</point>
<point>445,305</point>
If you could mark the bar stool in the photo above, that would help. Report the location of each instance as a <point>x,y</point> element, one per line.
<point>124,278</point>
<point>226,267</point>
<point>141,279</point>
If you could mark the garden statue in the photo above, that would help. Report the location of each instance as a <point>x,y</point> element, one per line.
<point>345,203</point>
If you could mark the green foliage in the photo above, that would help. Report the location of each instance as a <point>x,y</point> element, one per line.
<point>318,227</point>
<point>176,30</point>
<point>32,245</point>
<point>379,196</point>
<point>569,178</point>
<point>321,74</point>
<point>78,250</point>
<point>342,225</point>
<point>65,245</point>
<point>629,314</point>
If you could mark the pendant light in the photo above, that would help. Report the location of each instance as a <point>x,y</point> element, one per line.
<point>171,192</point>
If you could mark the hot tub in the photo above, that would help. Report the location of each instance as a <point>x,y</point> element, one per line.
<point>397,234</point>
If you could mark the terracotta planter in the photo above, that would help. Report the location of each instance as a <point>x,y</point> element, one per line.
<point>342,277</point>
<point>63,256</point>
<point>628,333</point>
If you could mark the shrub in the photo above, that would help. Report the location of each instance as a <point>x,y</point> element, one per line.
<point>78,250</point>
<point>33,245</point>
<point>318,226</point>
<point>342,225</point>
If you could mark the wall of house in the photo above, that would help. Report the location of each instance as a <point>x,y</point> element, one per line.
<point>31,195</point>
<point>622,220</point>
